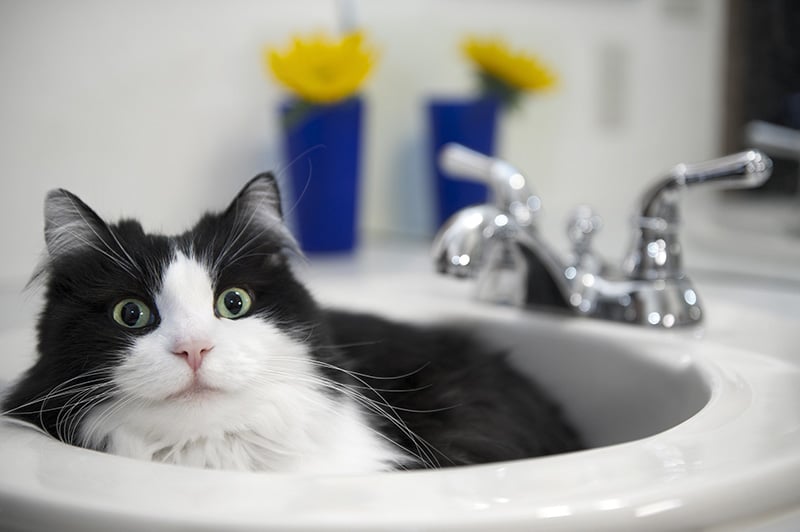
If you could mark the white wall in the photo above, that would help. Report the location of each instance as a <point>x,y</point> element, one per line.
<point>162,110</point>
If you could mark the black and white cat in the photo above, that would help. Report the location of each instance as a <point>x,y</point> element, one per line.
<point>203,349</point>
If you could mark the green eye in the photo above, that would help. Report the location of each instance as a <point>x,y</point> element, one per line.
<point>133,314</point>
<point>233,303</point>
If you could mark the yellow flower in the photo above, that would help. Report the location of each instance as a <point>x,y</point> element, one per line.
<point>320,69</point>
<point>516,69</point>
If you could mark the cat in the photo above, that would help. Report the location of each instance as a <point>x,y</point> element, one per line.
<point>204,349</point>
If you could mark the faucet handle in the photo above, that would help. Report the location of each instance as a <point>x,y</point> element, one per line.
<point>656,251</point>
<point>511,190</point>
<point>458,160</point>
<point>746,169</point>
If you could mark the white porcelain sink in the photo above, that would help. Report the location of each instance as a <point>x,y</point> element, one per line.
<point>688,429</point>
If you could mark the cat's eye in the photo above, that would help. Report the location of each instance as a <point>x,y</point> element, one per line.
<point>133,314</point>
<point>233,303</point>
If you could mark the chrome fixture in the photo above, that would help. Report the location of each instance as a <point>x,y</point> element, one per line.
<point>499,244</point>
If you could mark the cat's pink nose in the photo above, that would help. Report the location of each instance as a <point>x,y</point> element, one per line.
<point>193,351</point>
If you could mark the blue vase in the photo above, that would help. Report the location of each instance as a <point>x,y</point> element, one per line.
<point>322,146</point>
<point>468,122</point>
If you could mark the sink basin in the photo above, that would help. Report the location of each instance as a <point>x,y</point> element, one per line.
<point>610,386</point>
<point>616,383</point>
<point>686,432</point>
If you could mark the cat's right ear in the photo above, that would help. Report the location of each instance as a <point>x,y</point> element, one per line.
<point>69,224</point>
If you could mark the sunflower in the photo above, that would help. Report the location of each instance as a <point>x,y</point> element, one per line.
<point>320,69</point>
<point>504,73</point>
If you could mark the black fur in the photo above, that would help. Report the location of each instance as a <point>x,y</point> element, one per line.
<point>456,393</point>
<point>463,403</point>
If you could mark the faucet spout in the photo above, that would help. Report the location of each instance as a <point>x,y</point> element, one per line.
<point>511,263</point>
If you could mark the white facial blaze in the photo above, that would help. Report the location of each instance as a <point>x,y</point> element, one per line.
<point>186,305</point>
<point>255,402</point>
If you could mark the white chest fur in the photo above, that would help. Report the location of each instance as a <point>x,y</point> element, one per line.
<point>320,438</point>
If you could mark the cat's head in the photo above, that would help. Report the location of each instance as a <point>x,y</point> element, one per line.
<point>172,330</point>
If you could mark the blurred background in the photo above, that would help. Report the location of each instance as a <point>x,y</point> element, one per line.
<point>162,110</point>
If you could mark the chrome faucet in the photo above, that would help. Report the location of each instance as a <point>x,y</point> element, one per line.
<point>499,244</point>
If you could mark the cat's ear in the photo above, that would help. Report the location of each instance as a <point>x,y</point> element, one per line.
<point>259,203</point>
<point>260,197</point>
<point>69,224</point>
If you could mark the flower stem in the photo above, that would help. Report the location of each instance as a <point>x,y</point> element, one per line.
<point>493,87</point>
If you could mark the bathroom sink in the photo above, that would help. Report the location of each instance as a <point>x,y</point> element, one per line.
<point>616,383</point>
<point>687,429</point>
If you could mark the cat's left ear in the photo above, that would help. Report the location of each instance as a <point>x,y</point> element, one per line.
<point>259,202</point>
